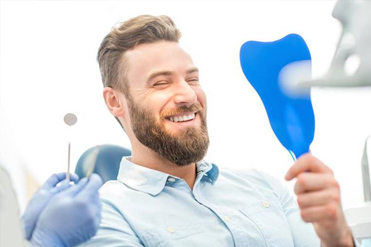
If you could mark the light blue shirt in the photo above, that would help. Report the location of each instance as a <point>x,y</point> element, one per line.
<point>145,207</point>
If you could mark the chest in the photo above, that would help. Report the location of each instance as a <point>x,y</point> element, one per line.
<point>240,217</point>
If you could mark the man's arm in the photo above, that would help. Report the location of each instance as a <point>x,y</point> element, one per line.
<point>319,200</point>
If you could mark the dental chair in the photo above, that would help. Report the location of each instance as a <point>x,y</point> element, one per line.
<point>107,162</point>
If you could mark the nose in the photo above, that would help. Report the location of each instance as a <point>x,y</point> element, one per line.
<point>184,94</point>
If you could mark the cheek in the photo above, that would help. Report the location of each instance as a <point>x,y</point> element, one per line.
<point>201,96</point>
<point>157,102</point>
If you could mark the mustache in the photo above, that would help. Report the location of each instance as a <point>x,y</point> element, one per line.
<point>171,112</point>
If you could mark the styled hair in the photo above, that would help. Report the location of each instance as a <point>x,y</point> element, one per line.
<point>142,29</point>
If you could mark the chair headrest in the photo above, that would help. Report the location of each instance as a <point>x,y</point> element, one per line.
<point>107,161</point>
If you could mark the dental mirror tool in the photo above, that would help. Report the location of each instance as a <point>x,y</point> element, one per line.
<point>70,119</point>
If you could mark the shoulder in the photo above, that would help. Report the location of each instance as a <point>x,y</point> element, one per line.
<point>260,180</point>
<point>252,175</point>
<point>112,192</point>
<point>112,187</point>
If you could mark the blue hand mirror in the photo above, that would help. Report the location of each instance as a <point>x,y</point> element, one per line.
<point>291,116</point>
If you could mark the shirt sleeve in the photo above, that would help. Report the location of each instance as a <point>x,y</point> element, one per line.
<point>114,231</point>
<point>303,233</point>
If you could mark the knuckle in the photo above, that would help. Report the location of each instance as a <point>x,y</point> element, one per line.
<point>302,180</point>
<point>300,201</point>
<point>335,197</point>
<point>332,212</point>
<point>304,215</point>
<point>332,181</point>
<point>311,159</point>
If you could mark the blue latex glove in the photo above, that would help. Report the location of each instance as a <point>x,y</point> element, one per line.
<point>71,217</point>
<point>41,199</point>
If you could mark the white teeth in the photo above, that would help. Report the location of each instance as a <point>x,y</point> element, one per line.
<point>182,118</point>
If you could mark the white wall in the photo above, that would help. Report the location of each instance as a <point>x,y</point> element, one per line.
<point>48,68</point>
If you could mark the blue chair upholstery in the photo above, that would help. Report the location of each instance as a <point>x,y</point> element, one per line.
<point>107,162</point>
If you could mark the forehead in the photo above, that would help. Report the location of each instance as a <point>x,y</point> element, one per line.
<point>146,59</point>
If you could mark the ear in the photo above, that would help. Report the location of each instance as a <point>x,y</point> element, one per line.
<point>112,99</point>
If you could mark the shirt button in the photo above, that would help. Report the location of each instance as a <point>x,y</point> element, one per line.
<point>227,219</point>
<point>170,229</point>
<point>266,204</point>
<point>171,180</point>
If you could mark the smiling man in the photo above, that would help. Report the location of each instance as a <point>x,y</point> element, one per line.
<point>165,193</point>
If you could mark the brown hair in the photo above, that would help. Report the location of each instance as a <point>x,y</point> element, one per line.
<point>138,30</point>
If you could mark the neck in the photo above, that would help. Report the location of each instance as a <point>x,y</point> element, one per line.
<point>144,156</point>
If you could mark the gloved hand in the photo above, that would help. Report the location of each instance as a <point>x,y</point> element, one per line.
<point>41,199</point>
<point>71,217</point>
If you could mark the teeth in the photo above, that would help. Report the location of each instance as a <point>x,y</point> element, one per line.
<point>182,118</point>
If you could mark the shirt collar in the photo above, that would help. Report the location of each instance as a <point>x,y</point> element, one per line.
<point>211,171</point>
<point>152,181</point>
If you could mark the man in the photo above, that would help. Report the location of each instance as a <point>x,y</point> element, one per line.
<point>166,195</point>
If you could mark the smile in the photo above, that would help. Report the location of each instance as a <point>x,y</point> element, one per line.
<point>182,118</point>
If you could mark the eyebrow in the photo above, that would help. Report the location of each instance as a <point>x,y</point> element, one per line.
<point>167,73</point>
<point>158,73</point>
<point>190,71</point>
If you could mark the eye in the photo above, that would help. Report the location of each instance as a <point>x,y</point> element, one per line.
<point>193,80</point>
<point>161,83</point>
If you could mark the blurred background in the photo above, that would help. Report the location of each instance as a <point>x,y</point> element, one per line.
<point>48,68</point>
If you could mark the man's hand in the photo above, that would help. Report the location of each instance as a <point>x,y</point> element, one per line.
<point>319,200</point>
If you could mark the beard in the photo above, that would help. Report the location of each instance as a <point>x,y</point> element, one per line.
<point>187,147</point>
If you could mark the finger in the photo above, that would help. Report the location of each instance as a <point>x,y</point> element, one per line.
<point>57,178</point>
<point>53,180</point>
<point>314,181</point>
<point>93,185</point>
<point>318,198</point>
<point>306,162</point>
<point>320,213</point>
<point>76,188</point>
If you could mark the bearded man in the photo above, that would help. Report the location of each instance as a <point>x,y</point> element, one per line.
<point>165,193</point>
